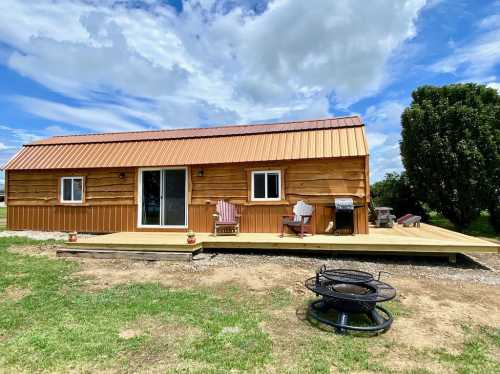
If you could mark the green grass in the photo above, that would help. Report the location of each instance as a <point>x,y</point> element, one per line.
<point>477,353</point>
<point>3,216</point>
<point>479,227</point>
<point>57,325</point>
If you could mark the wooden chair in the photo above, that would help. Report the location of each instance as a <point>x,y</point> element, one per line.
<point>226,219</point>
<point>404,218</point>
<point>412,221</point>
<point>300,222</point>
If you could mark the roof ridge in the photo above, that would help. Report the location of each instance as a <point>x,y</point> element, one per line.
<point>197,128</point>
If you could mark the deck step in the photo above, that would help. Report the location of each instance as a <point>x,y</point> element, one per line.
<point>130,255</point>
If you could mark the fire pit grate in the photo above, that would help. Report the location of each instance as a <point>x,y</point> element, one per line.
<point>348,292</point>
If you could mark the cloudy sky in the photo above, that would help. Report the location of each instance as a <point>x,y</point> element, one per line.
<point>94,66</point>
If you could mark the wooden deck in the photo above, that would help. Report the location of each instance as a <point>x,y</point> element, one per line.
<point>424,240</point>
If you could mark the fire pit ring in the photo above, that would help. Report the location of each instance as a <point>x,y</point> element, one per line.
<point>347,292</point>
<point>383,323</point>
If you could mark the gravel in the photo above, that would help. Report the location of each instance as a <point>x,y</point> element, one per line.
<point>417,267</point>
<point>41,235</point>
<point>464,270</point>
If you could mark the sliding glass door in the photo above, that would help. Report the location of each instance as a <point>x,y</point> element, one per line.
<point>163,197</point>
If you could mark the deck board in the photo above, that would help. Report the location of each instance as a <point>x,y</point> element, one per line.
<point>426,239</point>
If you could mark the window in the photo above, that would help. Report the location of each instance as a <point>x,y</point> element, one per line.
<point>72,189</point>
<point>266,185</point>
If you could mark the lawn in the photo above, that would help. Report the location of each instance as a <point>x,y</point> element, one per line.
<point>51,321</point>
<point>3,217</point>
<point>480,226</point>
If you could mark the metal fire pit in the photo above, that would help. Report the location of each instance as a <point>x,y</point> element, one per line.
<point>349,292</point>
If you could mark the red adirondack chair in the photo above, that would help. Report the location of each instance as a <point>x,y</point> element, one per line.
<point>300,222</point>
<point>404,218</point>
<point>227,219</point>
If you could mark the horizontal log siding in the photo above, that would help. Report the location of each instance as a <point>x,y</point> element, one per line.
<point>110,201</point>
<point>102,187</point>
<point>315,181</point>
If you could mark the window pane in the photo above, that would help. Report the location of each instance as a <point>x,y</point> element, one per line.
<point>259,185</point>
<point>273,186</point>
<point>66,189</point>
<point>77,189</point>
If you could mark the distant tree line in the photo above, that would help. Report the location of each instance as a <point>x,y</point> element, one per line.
<point>450,149</point>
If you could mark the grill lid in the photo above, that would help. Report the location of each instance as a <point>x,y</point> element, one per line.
<point>344,203</point>
<point>346,275</point>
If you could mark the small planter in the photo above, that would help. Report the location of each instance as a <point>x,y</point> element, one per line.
<point>72,237</point>
<point>191,238</point>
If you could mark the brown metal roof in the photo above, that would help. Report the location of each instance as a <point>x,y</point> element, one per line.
<point>204,132</point>
<point>336,137</point>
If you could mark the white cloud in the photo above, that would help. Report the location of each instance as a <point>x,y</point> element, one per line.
<point>384,116</point>
<point>494,85</point>
<point>376,139</point>
<point>383,123</point>
<point>212,62</point>
<point>93,118</point>
<point>18,136</point>
<point>477,57</point>
<point>386,159</point>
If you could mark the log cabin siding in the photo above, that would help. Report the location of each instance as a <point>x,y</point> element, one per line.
<point>101,187</point>
<point>315,181</point>
<point>110,203</point>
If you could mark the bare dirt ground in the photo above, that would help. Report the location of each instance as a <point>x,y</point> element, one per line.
<point>436,298</point>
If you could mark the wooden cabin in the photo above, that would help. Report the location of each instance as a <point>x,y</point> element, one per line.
<point>170,180</point>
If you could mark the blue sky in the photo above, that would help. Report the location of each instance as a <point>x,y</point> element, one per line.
<point>96,66</point>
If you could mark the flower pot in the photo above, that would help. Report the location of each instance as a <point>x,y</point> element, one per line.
<point>72,237</point>
<point>191,240</point>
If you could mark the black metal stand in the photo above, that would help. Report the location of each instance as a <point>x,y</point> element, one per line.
<point>381,323</point>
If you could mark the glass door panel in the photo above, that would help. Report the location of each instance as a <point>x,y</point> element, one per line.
<point>174,197</point>
<point>163,197</point>
<point>151,197</point>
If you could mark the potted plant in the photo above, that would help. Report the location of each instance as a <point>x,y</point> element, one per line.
<point>72,237</point>
<point>191,238</point>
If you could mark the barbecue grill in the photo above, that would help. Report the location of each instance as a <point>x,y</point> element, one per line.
<point>346,293</point>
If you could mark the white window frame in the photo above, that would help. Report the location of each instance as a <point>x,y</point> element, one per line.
<point>266,172</point>
<point>140,225</point>
<point>72,201</point>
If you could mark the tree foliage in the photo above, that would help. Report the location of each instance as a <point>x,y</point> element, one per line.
<point>451,149</point>
<point>395,191</point>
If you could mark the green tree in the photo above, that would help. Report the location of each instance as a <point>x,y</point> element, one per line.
<point>395,191</point>
<point>451,149</point>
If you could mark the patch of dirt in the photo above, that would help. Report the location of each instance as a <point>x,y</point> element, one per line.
<point>256,278</point>
<point>41,235</point>
<point>160,354</point>
<point>438,309</point>
<point>129,334</point>
<point>13,293</point>
<point>35,250</point>
<point>406,361</point>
